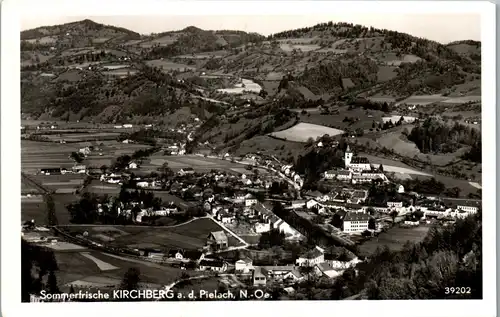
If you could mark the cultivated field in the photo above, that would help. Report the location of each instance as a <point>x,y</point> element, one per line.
<point>190,236</point>
<point>246,85</point>
<point>303,131</point>
<point>169,65</point>
<point>199,163</point>
<point>37,155</point>
<point>395,238</point>
<point>75,268</point>
<point>35,208</point>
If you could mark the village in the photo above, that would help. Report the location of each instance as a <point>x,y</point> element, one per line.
<point>264,198</point>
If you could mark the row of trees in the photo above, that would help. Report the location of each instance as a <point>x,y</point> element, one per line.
<point>435,136</point>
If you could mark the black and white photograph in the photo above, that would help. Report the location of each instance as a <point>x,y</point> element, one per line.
<point>171,157</point>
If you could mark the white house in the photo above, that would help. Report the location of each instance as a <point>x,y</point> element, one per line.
<point>127,126</point>
<point>213,265</point>
<point>243,265</point>
<point>262,227</point>
<point>356,222</point>
<point>284,227</point>
<point>395,204</point>
<point>401,189</point>
<point>330,174</point>
<point>132,165</point>
<point>311,258</point>
<point>250,201</point>
<point>344,175</point>
<point>311,203</point>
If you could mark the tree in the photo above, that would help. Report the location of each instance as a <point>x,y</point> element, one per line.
<point>131,279</point>
<point>51,210</point>
<point>52,283</point>
<point>104,169</point>
<point>337,221</point>
<point>372,224</point>
<point>393,215</point>
<point>77,157</point>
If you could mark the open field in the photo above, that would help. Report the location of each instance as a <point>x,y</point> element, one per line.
<point>37,155</point>
<point>199,163</point>
<point>428,99</point>
<point>36,209</point>
<point>395,238</point>
<point>246,85</point>
<point>169,65</point>
<point>270,146</point>
<point>76,268</point>
<point>303,48</point>
<point>189,236</point>
<point>303,131</point>
<point>363,118</point>
<point>55,182</point>
<point>103,266</point>
<point>397,169</point>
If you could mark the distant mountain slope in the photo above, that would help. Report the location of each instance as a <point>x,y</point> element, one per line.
<point>68,69</point>
<point>77,34</point>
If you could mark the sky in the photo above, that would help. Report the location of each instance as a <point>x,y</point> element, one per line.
<point>443,28</point>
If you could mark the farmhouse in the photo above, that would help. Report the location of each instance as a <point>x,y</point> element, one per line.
<point>132,165</point>
<point>356,222</point>
<point>217,240</point>
<point>212,265</point>
<point>311,258</point>
<point>311,203</point>
<point>323,269</point>
<point>344,175</point>
<point>258,277</point>
<point>243,265</point>
<point>280,273</point>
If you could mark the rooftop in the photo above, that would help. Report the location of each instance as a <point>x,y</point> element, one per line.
<point>360,160</point>
<point>219,235</point>
<point>356,217</point>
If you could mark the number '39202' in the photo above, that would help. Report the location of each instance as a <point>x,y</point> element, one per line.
<point>457,290</point>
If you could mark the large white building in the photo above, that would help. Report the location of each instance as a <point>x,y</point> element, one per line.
<point>356,222</point>
<point>355,163</point>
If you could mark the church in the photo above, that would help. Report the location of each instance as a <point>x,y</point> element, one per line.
<point>356,163</point>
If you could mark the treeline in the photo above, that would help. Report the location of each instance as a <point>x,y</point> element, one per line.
<point>316,162</point>
<point>38,271</point>
<point>435,136</point>
<point>328,77</point>
<point>86,210</point>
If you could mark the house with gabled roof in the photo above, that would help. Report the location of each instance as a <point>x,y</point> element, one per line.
<point>311,258</point>
<point>217,240</point>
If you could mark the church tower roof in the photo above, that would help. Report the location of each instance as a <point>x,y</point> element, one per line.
<point>348,149</point>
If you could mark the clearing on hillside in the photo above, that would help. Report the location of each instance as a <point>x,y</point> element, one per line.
<point>303,131</point>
